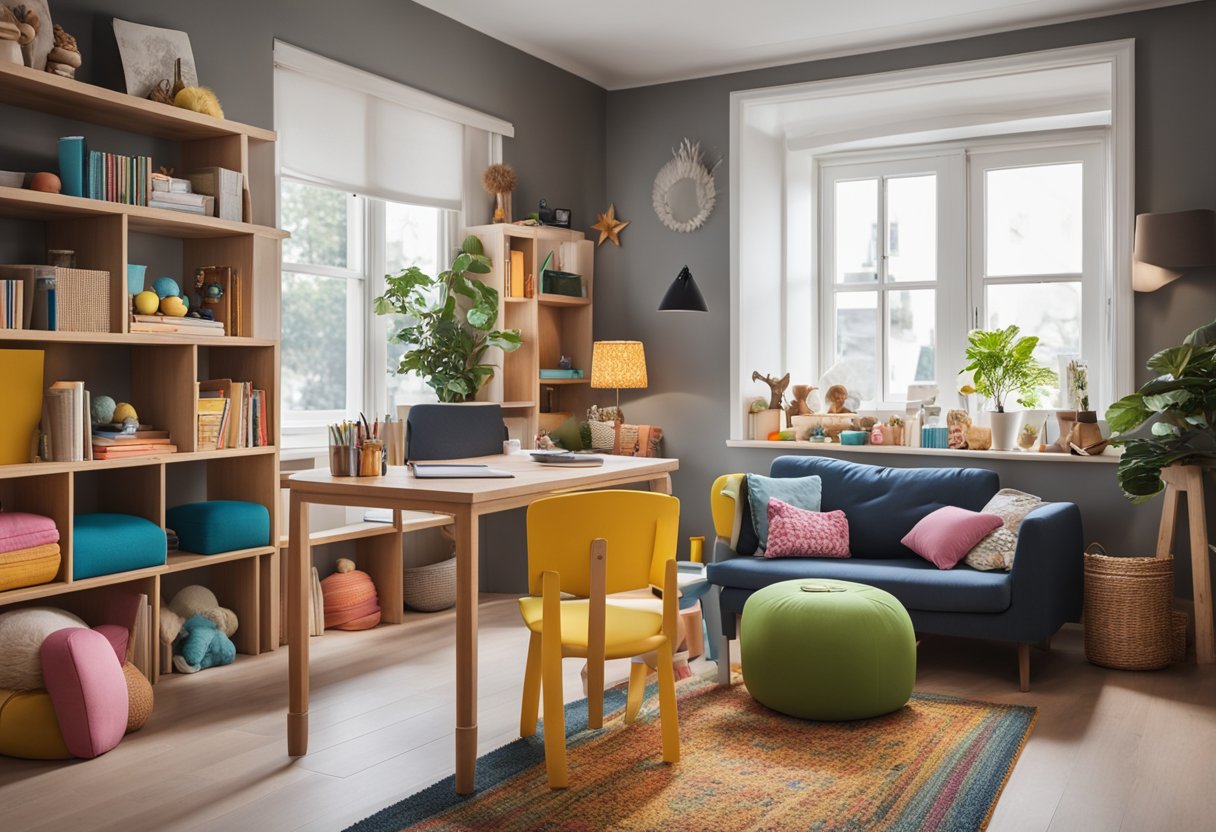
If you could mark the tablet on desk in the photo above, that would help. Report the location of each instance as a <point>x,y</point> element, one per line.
<point>448,471</point>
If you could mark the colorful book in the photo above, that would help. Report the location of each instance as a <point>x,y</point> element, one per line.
<point>23,393</point>
<point>73,165</point>
<point>517,274</point>
<point>211,414</point>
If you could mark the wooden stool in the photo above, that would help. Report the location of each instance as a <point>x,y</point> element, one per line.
<point>1189,479</point>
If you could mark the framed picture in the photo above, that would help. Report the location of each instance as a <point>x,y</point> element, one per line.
<point>149,54</point>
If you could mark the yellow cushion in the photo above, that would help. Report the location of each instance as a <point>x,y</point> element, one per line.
<point>628,631</point>
<point>28,727</point>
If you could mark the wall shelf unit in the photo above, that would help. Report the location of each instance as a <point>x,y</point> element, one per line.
<point>158,373</point>
<point>552,326</point>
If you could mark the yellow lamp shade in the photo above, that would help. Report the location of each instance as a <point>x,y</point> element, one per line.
<point>619,364</point>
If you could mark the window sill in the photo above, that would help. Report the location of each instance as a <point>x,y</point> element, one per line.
<point>833,448</point>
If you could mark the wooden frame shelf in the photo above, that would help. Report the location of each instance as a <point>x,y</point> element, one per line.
<point>561,300</point>
<point>42,469</point>
<point>185,561</point>
<point>133,339</point>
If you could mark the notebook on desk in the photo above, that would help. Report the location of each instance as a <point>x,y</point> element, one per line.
<point>470,471</point>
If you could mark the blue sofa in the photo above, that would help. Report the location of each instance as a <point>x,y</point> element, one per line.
<point>1029,604</point>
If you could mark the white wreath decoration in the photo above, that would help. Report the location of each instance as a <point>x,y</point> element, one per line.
<point>687,163</point>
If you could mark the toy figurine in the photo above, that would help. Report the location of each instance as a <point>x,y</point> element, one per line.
<point>776,387</point>
<point>836,397</point>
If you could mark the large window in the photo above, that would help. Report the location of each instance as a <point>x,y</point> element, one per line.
<point>336,359</point>
<point>914,254</point>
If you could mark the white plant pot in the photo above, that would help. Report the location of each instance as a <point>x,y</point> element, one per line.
<point>1004,430</point>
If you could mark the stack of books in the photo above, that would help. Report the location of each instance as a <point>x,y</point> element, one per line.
<point>177,195</point>
<point>240,422</point>
<point>12,304</point>
<point>165,325</point>
<point>66,423</point>
<point>145,441</point>
<point>116,178</point>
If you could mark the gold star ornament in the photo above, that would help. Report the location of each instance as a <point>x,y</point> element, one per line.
<point>609,226</point>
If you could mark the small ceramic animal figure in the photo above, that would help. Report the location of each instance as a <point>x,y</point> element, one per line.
<point>836,396</point>
<point>776,385</point>
<point>799,407</point>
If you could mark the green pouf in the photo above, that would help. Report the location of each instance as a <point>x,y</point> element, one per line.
<point>832,656</point>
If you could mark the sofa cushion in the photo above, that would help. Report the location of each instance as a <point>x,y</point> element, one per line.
<point>918,584</point>
<point>215,526</point>
<point>944,537</point>
<point>803,492</point>
<point>87,688</point>
<point>996,551</point>
<point>796,532</point>
<point>883,504</point>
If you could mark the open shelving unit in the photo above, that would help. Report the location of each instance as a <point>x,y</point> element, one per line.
<point>157,373</point>
<point>551,326</point>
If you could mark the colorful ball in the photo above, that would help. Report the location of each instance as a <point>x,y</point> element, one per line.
<point>103,410</point>
<point>146,302</point>
<point>166,287</point>
<point>173,307</point>
<point>125,411</point>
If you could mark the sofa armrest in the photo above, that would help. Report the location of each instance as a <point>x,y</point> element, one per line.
<point>722,551</point>
<point>1048,569</point>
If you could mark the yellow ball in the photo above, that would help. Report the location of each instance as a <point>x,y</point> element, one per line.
<point>173,307</point>
<point>146,303</point>
<point>123,412</point>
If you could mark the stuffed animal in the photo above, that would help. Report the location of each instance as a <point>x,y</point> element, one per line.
<point>204,645</point>
<point>198,600</point>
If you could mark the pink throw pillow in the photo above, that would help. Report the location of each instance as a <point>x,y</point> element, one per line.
<point>22,530</point>
<point>88,690</point>
<point>945,536</point>
<point>797,532</point>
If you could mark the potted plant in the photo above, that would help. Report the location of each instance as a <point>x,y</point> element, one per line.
<point>449,324</point>
<point>1169,421</point>
<point>1002,364</point>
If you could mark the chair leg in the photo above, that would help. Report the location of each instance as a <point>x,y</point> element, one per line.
<point>667,706</point>
<point>723,662</point>
<point>1024,665</point>
<point>638,671</point>
<point>531,704</point>
<point>595,695</point>
<point>551,689</point>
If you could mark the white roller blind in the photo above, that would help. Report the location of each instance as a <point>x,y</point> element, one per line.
<point>350,129</point>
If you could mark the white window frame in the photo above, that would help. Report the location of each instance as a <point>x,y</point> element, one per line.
<point>749,270</point>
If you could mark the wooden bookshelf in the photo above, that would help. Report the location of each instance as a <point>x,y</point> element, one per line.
<point>551,325</point>
<point>158,373</point>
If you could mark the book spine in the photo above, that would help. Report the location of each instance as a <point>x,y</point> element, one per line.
<point>72,154</point>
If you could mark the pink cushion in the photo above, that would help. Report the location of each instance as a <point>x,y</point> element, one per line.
<point>946,536</point>
<point>118,637</point>
<point>87,688</point>
<point>21,530</point>
<point>798,532</point>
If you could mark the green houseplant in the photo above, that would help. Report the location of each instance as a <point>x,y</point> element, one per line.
<point>1169,421</point>
<point>449,323</point>
<point>1002,364</point>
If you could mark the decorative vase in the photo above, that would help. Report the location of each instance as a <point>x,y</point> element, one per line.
<point>135,278</point>
<point>1065,419</point>
<point>1086,434</point>
<point>1004,429</point>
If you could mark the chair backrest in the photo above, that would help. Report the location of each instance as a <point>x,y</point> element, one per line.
<point>641,529</point>
<point>454,431</point>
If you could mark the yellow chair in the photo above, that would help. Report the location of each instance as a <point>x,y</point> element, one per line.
<point>591,546</point>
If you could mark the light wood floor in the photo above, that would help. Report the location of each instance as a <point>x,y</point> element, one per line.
<point>1110,751</point>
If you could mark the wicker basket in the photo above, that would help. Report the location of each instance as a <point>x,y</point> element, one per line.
<point>430,588</point>
<point>1178,622</point>
<point>1128,620</point>
<point>82,300</point>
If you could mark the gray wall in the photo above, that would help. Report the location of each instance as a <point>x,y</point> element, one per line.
<point>688,353</point>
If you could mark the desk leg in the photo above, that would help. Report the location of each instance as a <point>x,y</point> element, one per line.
<point>299,557</point>
<point>466,649</point>
<point>661,485</point>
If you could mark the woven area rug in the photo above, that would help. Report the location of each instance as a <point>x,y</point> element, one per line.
<point>938,764</point>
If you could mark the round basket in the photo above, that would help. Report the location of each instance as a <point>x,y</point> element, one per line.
<point>430,588</point>
<point>1128,621</point>
<point>1178,635</point>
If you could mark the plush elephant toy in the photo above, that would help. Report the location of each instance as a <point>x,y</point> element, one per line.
<point>203,645</point>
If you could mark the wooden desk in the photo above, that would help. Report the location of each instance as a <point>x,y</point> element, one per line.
<point>466,501</point>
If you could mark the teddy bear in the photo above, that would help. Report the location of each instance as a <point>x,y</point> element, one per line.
<point>203,645</point>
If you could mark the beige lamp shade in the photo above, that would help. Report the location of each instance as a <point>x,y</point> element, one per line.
<point>1171,244</point>
<point>619,364</point>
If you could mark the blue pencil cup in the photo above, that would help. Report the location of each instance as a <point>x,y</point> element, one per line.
<point>135,278</point>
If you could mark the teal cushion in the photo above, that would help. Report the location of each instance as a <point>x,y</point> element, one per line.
<point>219,526</point>
<point>103,544</point>
<point>803,492</point>
<point>849,653</point>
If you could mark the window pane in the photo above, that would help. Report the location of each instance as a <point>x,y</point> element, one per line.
<point>411,239</point>
<point>313,348</point>
<point>910,340</point>
<point>1052,311</point>
<point>857,341</point>
<point>317,219</point>
<point>912,228</point>
<point>1033,220</point>
<point>857,231</point>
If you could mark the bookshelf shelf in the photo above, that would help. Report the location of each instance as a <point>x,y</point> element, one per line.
<point>562,300</point>
<point>157,372</point>
<point>548,381</point>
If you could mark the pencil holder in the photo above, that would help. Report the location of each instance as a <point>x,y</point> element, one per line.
<point>371,458</point>
<point>343,460</point>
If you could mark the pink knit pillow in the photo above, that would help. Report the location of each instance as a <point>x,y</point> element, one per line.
<point>945,536</point>
<point>797,532</point>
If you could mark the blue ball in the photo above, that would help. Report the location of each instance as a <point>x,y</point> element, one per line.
<point>166,287</point>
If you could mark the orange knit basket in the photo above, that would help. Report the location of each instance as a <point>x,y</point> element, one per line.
<point>139,697</point>
<point>350,601</point>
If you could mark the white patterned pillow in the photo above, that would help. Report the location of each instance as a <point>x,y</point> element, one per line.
<point>997,549</point>
<point>603,435</point>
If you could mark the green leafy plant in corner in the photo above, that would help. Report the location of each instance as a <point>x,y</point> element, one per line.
<point>449,323</point>
<point>1002,364</point>
<point>1170,419</point>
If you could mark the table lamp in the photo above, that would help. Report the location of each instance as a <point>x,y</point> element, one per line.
<point>617,364</point>
<point>1171,244</point>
